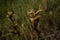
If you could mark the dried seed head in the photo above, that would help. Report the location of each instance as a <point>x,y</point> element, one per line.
<point>9,13</point>
<point>32,20</point>
<point>37,17</point>
<point>30,12</point>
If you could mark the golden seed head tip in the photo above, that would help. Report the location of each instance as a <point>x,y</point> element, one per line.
<point>9,13</point>
<point>30,13</point>
<point>31,19</point>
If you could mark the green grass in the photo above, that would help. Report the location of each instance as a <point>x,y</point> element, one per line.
<point>20,8</point>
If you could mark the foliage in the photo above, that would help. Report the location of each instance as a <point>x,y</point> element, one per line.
<point>23,28</point>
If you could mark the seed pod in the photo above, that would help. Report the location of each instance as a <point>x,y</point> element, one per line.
<point>10,16</point>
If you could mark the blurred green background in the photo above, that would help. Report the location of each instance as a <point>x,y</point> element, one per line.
<point>20,8</point>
